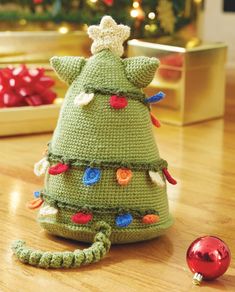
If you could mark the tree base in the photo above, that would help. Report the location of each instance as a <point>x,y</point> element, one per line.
<point>118,235</point>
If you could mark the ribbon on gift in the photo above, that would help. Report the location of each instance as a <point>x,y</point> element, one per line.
<point>22,86</point>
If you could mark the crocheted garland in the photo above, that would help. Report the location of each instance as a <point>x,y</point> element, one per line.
<point>133,94</point>
<point>84,214</point>
<point>76,162</point>
<point>92,174</point>
<point>137,213</point>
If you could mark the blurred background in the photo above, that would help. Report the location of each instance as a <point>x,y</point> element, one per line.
<point>194,40</point>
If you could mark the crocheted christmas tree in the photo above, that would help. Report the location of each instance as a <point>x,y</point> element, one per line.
<point>104,175</point>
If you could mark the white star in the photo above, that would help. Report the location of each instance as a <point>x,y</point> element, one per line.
<point>108,35</point>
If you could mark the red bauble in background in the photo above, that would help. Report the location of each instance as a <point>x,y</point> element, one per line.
<point>37,1</point>
<point>171,67</point>
<point>208,257</point>
<point>108,2</point>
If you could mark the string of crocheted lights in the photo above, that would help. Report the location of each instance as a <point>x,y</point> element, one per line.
<point>102,166</point>
<point>92,175</point>
<point>119,102</point>
<point>85,214</point>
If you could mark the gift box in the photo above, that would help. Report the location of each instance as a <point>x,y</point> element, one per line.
<point>28,119</point>
<point>192,77</point>
<point>35,49</point>
<point>28,99</point>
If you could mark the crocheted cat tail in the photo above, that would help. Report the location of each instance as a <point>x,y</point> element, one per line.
<point>66,259</point>
<point>102,166</point>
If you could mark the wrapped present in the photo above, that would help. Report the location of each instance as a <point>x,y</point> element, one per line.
<point>23,86</point>
<point>29,104</point>
<point>40,46</point>
<point>192,77</point>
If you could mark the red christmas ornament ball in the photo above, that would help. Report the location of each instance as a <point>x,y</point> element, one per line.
<point>176,62</point>
<point>209,257</point>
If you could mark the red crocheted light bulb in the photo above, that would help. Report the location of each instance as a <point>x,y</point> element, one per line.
<point>58,168</point>
<point>81,218</point>
<point>118,102</point>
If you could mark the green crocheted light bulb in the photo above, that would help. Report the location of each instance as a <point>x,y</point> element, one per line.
<point>104,163</point>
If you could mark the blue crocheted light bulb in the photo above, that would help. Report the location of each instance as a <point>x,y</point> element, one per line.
<point>124,220</point>
<point>91,176</point>
<point>36,194</point>
<point>155,98</point>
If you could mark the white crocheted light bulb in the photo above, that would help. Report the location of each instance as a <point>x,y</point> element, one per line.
<point>47,211</point>
<point>83,98</point>
<point>40,167</point>
<point>108,35</point>
<point>156,178</point>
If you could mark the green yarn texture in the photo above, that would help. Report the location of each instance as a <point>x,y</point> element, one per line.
<point>98,135</point>
<point>99,132</point>
<point>66,259</point>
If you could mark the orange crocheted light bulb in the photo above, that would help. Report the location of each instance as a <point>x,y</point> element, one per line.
<point>124,176</point>
<point>34,204</point>
<point>150,219</point>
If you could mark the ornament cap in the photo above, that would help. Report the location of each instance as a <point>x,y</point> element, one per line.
<point>197,279</point>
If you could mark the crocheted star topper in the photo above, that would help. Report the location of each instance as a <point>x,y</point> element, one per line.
<point>108,35</point>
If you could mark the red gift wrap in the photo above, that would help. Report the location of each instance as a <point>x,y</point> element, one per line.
<point>24,86</point>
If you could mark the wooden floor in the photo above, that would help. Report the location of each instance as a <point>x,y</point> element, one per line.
<point>201,157</point>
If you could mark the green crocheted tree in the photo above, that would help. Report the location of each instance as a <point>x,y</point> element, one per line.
<point>105,178</point>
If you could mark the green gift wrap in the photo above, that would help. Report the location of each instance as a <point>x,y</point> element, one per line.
<point>105,181</point>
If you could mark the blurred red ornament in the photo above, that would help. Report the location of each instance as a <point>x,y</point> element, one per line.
<point>208,257</point>
<point>22,86</point>
<point>108,2</point>
<point>37,1</point>
<point>171,66</point>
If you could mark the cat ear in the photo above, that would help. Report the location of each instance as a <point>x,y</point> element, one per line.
<point>67,68</point>
<point>140,70</point>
